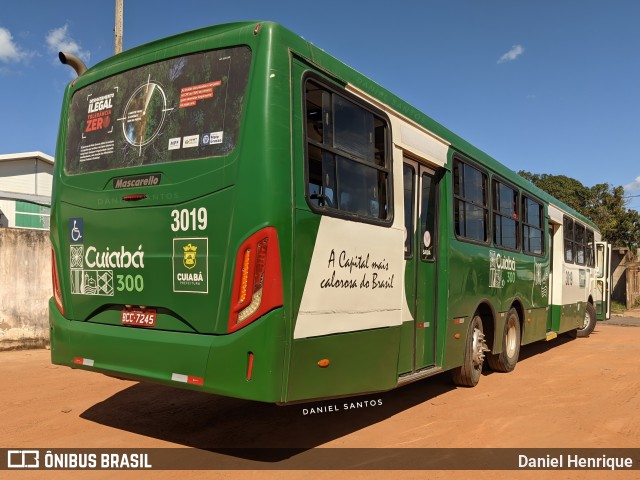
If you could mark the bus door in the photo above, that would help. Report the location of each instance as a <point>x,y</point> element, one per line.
<point>603,272</point>
<point>421,193</point>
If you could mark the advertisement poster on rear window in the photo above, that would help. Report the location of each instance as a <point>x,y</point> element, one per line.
<point>183,108</point>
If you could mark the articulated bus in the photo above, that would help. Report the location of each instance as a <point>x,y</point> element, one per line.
<point>237,212</point>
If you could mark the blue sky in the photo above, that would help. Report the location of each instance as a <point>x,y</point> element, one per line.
<point>541,85</point>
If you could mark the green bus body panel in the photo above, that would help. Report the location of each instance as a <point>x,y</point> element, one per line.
<point>405,356</point>
<point>360,362</point>
<point>568,317</point>
<point>535,325</point>
<point>143,354</point>
<point>556,315</point>
<point>127,230</point>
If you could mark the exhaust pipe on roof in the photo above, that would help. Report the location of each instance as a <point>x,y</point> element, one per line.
<point>73,61</point>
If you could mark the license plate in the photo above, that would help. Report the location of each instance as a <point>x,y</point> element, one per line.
<point>139,317</point>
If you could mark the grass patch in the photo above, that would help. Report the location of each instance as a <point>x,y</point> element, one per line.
<point>617,307</point>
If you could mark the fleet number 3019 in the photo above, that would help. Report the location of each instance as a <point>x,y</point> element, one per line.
<point>184,220</point>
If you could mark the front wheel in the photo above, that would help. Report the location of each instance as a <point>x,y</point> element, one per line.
<point>468,375</point>
<point>506,360</point>
<point>588,323</point>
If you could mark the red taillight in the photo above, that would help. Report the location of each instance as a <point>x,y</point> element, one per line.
<point>57,294</point>
<point>134,197</point>
<point>257,283</point>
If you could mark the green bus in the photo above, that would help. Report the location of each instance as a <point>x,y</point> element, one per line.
<point>237,212</point>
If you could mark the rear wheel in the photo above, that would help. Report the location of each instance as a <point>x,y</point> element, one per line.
<point>506,360</point>
<point>589,321</point>
<point>468,375</point>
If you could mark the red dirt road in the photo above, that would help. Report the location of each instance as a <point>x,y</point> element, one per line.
<point>582,393</point>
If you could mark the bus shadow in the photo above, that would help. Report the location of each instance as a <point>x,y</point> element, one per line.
<point>252,430</point>
<point>540,347</point>
<point>243,430</point>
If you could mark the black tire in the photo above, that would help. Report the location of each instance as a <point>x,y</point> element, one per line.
<point>506,360</point>
<point>589,322</point>
<point>468,375</point>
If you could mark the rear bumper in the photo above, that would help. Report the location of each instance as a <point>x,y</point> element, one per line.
<point>211,363</point>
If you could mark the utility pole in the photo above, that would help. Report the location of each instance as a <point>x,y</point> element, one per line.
<point>117,44</point>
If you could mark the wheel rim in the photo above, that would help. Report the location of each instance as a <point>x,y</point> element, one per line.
<point>478,347</point>
<point>587,319</point>
<point>511,339</point>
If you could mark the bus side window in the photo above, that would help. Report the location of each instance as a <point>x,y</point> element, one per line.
<point>471,208</point>
<point>579,232</point>
<point>347,164</point>
<point>409,193</point>
<point>322,178</point>
<point>532,227</point>
<point>315,117</point>
<point>589,248</point>
<point>568,240</point>
<point>505,216</point>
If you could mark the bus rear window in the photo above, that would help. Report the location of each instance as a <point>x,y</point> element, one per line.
<point>183,108</point>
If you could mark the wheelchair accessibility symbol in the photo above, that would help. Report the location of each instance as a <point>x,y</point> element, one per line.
<point>76,230</point>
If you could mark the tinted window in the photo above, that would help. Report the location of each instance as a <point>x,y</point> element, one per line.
<point>178,109</point>
<point>568,240</point>
<point>505,217</point>
<point>579,244</point>
<point>589,248</point>
<point>470,202</point>
<point>409,195</point>
<point>353,128</point>
<point>428,212</point>
<point>532,227</point>
<point>347,165</point>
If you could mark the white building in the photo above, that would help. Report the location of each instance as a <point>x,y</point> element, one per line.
<point>25,190</point>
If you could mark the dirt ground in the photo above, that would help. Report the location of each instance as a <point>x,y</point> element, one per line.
<point>582,393</point>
